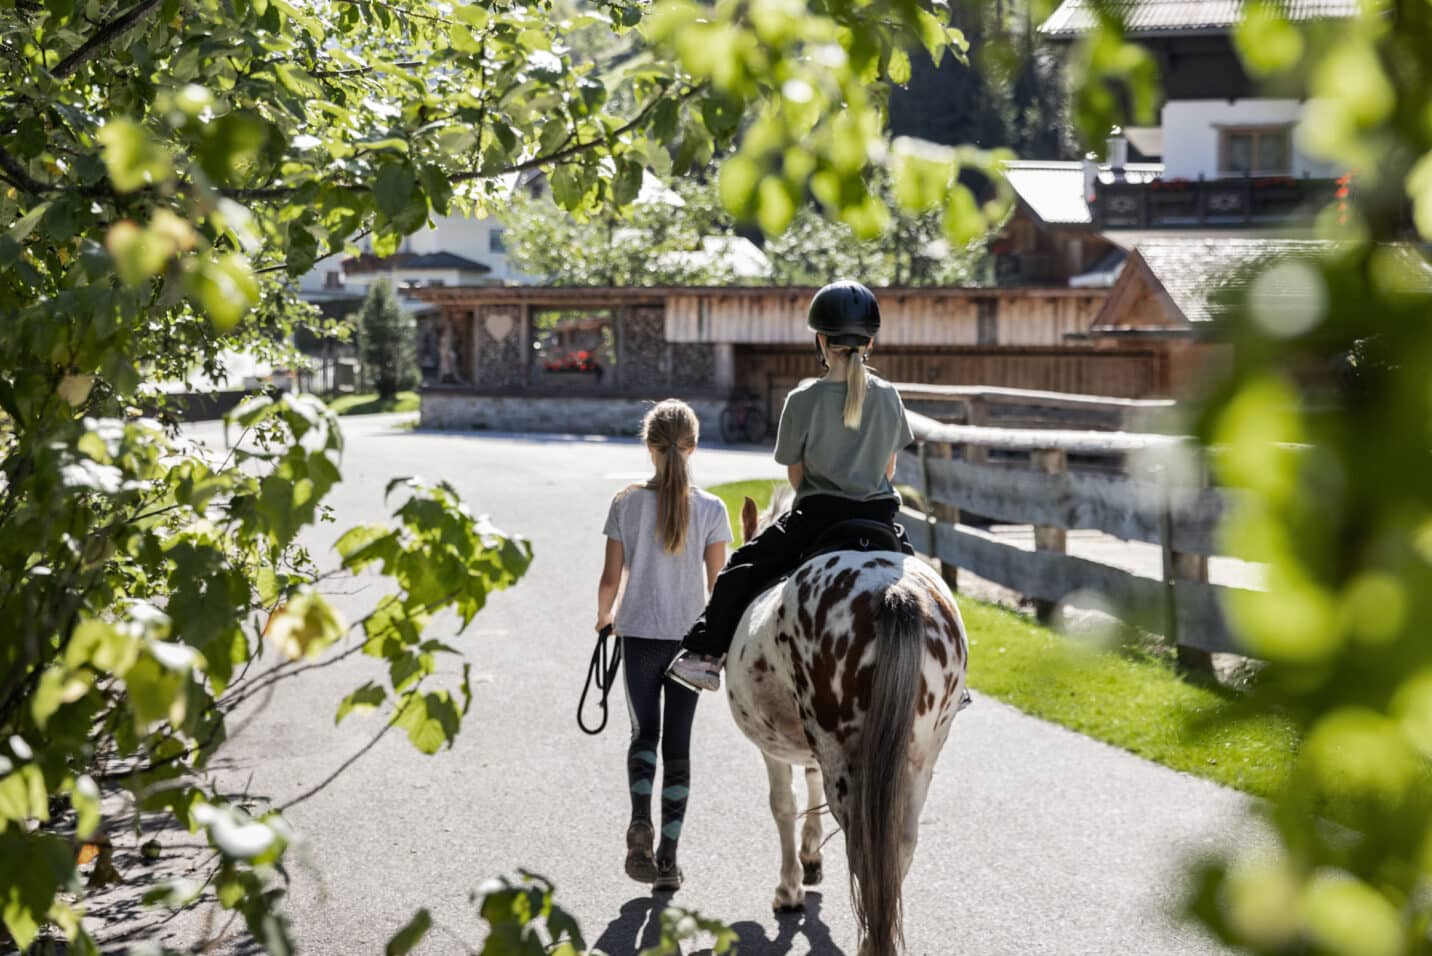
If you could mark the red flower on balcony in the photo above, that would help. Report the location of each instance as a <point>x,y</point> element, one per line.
<point>580,361</point>
<point>1343,193</point>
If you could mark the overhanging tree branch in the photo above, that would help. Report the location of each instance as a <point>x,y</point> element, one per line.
<point>103,37</point>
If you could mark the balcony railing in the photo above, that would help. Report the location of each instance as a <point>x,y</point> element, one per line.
<point>1181,203</point>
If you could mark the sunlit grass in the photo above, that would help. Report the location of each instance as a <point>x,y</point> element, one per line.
<point>369,403</point>
<point>1123,696</point>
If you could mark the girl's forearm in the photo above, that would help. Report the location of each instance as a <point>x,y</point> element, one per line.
<point>606,599</point>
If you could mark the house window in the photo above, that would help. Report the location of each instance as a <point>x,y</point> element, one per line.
<point>496,241</point>
<point>333,279</point>
<point>1255,151</point>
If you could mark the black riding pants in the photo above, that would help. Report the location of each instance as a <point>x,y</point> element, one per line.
<point>767,557</point>
<point>644,662</point>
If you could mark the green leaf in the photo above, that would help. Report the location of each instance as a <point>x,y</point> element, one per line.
<point>1266,41</point>
<point>899,68</point>
<point>230,145</point>
<point>26,224</point>
<point>922,172</point>
<point>627,182</point>
<point>155,692</point>
<point>306,626</point>
<point>394,189</point>
<point>132,158</point>
<point>363,700</point>
<point>777,205</point>
<point>739,176</point>
<point>462,39</point>
<point>23,795</point>
<point>431,720</point>
<point>410,935</point>
<point>472,14</point>
<point>567,190</point>
<point>223,287</point>
<point>964,222</point>
<point>33,868</point>
<point>391,627</point>
<point>84,797</point>
<point>933,33</point>
<point>357,539</point>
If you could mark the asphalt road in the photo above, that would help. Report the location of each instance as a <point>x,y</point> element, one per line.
<point>1034,839</point>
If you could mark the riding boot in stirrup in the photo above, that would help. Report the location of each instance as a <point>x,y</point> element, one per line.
<point>696,671</point>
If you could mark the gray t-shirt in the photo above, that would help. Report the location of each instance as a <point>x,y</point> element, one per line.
<point>847,462</point>
<point>665,593</point>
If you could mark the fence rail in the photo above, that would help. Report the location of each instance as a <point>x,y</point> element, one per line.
<point>952,475</point>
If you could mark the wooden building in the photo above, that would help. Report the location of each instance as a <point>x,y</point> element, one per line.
<point>588,359</point>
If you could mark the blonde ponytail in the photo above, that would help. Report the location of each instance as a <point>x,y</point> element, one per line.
<point>671,430</point>
<point>854,386</point>
<point>854,372</point>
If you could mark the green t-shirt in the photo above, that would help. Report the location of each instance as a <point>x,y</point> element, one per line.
<point>848,462</point>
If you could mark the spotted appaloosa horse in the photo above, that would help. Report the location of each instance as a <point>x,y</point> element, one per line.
<point>853,668</point>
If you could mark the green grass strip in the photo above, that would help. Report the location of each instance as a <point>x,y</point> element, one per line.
<point>1126,696</point>
<point>369,403</point>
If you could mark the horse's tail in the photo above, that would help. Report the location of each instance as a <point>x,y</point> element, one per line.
<point>881,794</point>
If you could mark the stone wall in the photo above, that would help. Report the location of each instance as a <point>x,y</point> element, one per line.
<point>596,415</point>
<point>644,361</point>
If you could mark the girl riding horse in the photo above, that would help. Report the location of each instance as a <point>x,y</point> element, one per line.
<point>838,438</point>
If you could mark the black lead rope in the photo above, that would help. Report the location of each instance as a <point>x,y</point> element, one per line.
<point>603,672</point>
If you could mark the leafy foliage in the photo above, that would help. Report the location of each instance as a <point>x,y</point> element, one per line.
<point>165,168</point>
<point>388,338</point>
<point>659,242</point>
<point>173,575</point>
<point>523,919</point>
<point>655,242</point>
<point>1009,92</point>
<point>1325,423</point>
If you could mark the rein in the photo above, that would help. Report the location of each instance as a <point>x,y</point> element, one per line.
<point>602,672</point>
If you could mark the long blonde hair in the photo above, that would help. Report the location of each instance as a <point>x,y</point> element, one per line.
<point>854,359</point>
<point>671,429</point>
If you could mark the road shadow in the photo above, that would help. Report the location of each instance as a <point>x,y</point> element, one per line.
<point>805,924</point>
<point>636,927</point>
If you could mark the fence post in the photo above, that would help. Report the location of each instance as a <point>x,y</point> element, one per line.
<point>1181,566</point>
<point>939,512</point>
<point>977,412</point>
<point>1051,461</point>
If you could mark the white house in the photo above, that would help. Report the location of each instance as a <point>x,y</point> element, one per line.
<point>1224,159</point>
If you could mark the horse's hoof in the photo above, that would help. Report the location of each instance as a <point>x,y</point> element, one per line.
<point>784,903</point>
<point>813,873</point>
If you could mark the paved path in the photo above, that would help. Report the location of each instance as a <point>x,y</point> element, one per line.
<point>1034,840</point>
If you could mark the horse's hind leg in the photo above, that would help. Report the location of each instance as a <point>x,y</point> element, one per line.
<point>789,893</point>
<point>811,829</point>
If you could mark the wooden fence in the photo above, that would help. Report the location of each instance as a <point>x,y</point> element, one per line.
<point>1034,485</point>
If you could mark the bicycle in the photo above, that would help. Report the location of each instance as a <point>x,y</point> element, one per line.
<point>744,420</point>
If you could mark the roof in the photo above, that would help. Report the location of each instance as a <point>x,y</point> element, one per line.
<point>1054,191</point>
<point>1192,271</point>
<point>1176,283</point>
<point>367,262</point>
<point>1073,18</point>
<point>445,260</point>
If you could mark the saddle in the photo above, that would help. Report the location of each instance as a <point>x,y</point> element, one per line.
<point>857,534</point>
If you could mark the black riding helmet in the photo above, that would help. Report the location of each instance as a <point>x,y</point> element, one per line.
<point>846,313</point>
